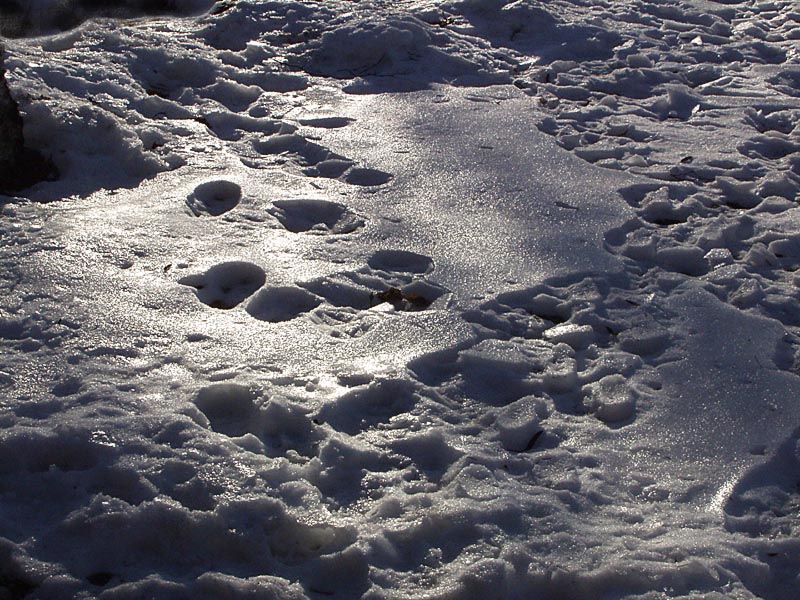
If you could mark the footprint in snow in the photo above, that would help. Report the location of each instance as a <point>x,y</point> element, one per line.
<point>326,122</point>
<point>367,177</point>
<point>214,198</point>
<point>370,406</point>
<point>229,407</point>
<point>393,281</point>
<point>226,285</point>
<point>271,426</point>
<point>319,161</point>
<point>316,216</point>
<point>279,304</point>
<point>341,290</point>
<point>392,277</point>
<point>401,261</point>
<point>290,143</point>
<point>769,147</point>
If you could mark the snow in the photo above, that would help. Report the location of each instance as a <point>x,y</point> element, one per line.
<point>420,299</point>
<point>518,423</point>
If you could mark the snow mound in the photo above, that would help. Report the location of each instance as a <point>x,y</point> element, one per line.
<point>376,48</point>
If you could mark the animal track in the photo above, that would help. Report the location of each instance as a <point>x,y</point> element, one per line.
<point>226,285</point>
<point>320,216</point>
<point>281,304</point>
<point>214,198</point>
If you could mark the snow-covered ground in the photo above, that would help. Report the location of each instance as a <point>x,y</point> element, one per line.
<point>410,299</point>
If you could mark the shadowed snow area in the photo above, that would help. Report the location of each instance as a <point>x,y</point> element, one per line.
<point>415,300</point>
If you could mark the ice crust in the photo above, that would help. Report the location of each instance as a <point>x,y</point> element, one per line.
<point>420,299</point>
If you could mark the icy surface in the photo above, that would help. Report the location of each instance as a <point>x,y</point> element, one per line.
<point>459,299</point>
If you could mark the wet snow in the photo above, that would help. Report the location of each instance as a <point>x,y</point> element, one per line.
<point>462,299</point>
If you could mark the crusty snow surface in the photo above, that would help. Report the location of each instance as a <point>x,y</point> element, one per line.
<point>411,299</point>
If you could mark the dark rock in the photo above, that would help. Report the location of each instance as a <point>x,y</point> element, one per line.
<point>11,141</point>
<point>20,167</point>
